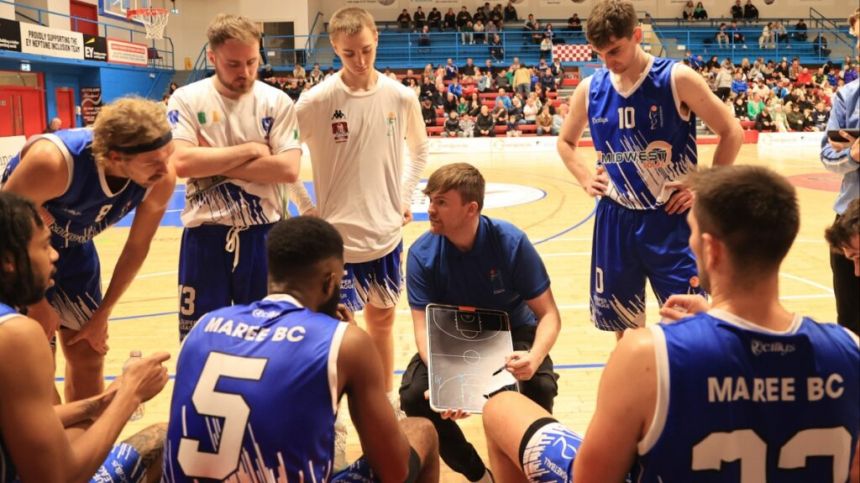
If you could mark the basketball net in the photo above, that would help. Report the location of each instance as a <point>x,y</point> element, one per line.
<point>154,20</point>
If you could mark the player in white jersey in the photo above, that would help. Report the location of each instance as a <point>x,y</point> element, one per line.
<point>236,141</point>
<point>354,124</point>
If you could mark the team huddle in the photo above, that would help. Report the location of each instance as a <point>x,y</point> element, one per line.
<point>266,302</point>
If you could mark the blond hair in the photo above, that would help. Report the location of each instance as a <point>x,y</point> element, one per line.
<point>350,21</point>
<point>129,121</point>
<point>463,177</point>
<point>226,26</point>
<point>610,19</point>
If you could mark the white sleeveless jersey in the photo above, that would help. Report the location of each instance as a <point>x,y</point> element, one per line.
<point>356,143</point>
<point>265,115</point>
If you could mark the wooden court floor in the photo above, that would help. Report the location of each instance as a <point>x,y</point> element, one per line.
<point>560,226</point>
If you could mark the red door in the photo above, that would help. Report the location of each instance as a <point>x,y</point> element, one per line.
<point>84,11</point>
<point>21,111</point>
<point>66,106</point>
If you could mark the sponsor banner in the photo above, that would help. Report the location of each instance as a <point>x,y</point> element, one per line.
<point>493,145</point>
<point>9,147</point>
<point>775,145</point>
<point>10,35</point>
<point>91,104</point>
<point>36,39</point>
<point>95,48</point>
<point>120,52</point>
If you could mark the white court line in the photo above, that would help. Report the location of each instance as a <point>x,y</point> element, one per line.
<point>572,238</point>
<point>808,282</point>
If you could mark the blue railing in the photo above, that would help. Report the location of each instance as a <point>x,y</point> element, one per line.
<point>162,51</point>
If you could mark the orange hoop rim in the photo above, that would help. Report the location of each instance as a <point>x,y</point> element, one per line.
<point>151,11</point>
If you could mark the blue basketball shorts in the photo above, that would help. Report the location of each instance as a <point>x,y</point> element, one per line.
<point>547,451</point>
<point>122,465</point>
<point>220,266</point>
<point>361,472</point>
<point>377,282</point>
<point>630,246</point>
<point>77,291</point>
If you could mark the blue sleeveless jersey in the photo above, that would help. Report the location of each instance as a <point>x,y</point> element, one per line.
<point>7,468</point>
<point>88,206</point>
<point>745,405</point>
<point>255,394</point>
<point>641,139</point>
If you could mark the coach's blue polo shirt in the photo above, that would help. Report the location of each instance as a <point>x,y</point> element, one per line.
<point>501,272</point>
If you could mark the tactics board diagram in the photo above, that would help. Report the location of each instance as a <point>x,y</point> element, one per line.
<point>466,350</point>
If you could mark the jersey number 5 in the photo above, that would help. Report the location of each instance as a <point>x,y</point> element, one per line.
<point>745,445</point>
<point>232,407</point>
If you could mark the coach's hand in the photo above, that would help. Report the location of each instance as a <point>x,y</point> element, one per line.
<point>452,414</point>
<point>598,184</point>
<point>681,200</point>
<point>94,332</point>
<point>679,306</point>
<point>522,365</point>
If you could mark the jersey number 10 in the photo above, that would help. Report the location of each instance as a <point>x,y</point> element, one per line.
<point>626,118</point>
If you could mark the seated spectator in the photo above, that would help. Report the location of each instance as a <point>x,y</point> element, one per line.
<point>452,126</point>
<point>765,41</point>
<point>530,110</point>
<point>687,13</point>
<point>463,106</point>
<point>451,102</point>
<point>850,72</point>
<point>497,51</point>
<point>475,105</point>
<point>820,116</point>
<point>755,106</point>
<point>299,72</point>
<point>451,70</point>
<point>547,80</point>
<point>544,121</point>
<point>455,87</point>
<point>480,35</point>
<point>808,121</point>
<point>549,33</point>
<point>558,118</point>
<point>545,48</point>
<point>479,14</point>
<point>739,84</point>
<point>467,126</point>
<point>780,32</point>
<point>467,35</point>
<point>800,31</point>
<point>434,19</point>
<point>428,111</point>
<point>530,25</point>
<point>409,78</point>
<point>574,24</point>
<point>463,17</point>
<point>503,98</point>
<point>740,107</point>
<point>485,123</point>
<point>777,112</point>
<point>510,12</point>
<point>514,117</point>
<point>449,21</point>
<point>489,68</point>
<point>428,88</point>
<point>820,45</point>
<point>764,123</point>
<point>424,37</point>
<point>485,82</point>
<point>722,37</point>
<point>496,15</point>
<point>502,81</point>
<point>404,21</point>
<point>469,68</point>
<point>700,13</point>
<point>794,117</point>
<point>712,63</point>
<point>499,115</point>
<point>737,36</point>
<point>737,11</point>
<point>418,19</point>
<point>537,36</point>
<point>750,11</point>
<point>316,75</point>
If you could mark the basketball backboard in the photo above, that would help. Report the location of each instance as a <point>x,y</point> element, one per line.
<point>118,9</point>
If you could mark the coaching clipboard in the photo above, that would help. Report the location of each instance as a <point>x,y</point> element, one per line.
<point>466,348</point>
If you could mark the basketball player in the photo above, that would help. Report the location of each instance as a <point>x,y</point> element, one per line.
<point>86,180</point>
<point>844,235</point>
<point>641,113</point>
<point>257,386</point>
<point>467,259</point>
<point>34,445</point>
<point>236,140</point>
<point>740,391</point>
<point>354,124</point>
<point>844,159</point>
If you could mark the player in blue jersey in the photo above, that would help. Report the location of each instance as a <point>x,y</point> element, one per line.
<point>86,180</point>
<point>258,386</point>
<point>641,114</point>
<point>236,140</point>
<point>34,445</point>
<point>742,390</point>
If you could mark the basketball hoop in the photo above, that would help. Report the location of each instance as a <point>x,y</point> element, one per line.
<point>154,20</point>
